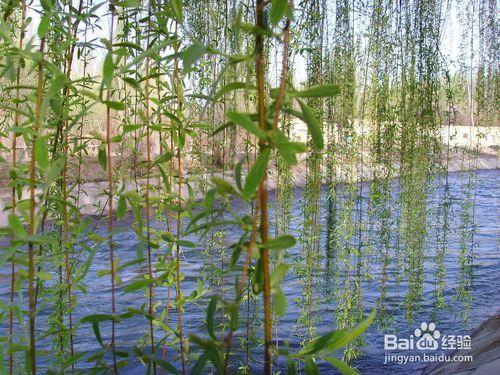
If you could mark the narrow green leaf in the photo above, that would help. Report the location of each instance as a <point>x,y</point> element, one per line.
<point>168,367</point>
<point>185,243</point>
<point>177,9</point>
<point>200,364</point>
<point>279,303</point>
<point>232,86</point>
<point>42,153</point>
<point>291,368</point>
<point>246,122</point>
<point>209,201</point>
<point>128,3</point>
<point>136,285</point>
<point>166,156</point>
<point>256,174</point>
<point>237,174</point>
<point>343,367</point>
<point>311,366</point>
<point>336,339</point>
<point>16,226</point>
<point>101,156</point>
<point>97,332</point>
<point>191,54</point>
<point>55,170</point>
<point>47,5</point>
<point>108,68</point>
<point>212,307</point>
<point>278,274</point>
<point>287,150</point>
<point>121,208</point>
<point>131,127</point>
<point>223,186</point>
<point>44,276</point>
<point>317,91</point>
<point>281,242</point>
<point>278,10</point>
<point>43,26</point>
<point>313,125</point>
<point>118,106</point>
<point>129,44</point>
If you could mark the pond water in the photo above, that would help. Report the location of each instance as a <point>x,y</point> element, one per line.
<point>485,288</point>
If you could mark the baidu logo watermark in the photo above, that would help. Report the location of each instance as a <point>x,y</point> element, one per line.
<point>425,339</point>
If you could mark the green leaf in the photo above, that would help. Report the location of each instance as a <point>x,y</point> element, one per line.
<point>177,9</point>
<point>118,106</point>
<point>101,156</point>
<point>208,202</point>
<point>108,68</point>
<point>223,186</point>
<point>128,3</point>
<point>258,278</point>
<point>287,150</point>
<point>200,364</point>
<point>281,242</point>
<point>131,127</point>
<point>278,274</point>
<point>185,243</point>
<point>97,332</point>
<point>96,318</point>
<point>55,170</point>
<point>256,173</point>
<point>73,359</point>
<point>168,367</point>
<point>343,367</point>
<point>231,87</point>
<point>191,54</point>
<point>246,122</point>
<point>291,368</point>
<point>311,367</point>
<point>237,174</point>
<point>212,307</point>
<point>42,153</point>
<point>43,26</point>
<point>336,339</point>
<point>313,125</point>
<point>234,318</point>
<point>45,276</point>
<point>47,5</point>
<point>317,91</point>
<point>278,10</point>
<point>121,207</point>
<point>135,286</point>
<point>16,226</point>
<point>279,302</point>
<point>166,156</point>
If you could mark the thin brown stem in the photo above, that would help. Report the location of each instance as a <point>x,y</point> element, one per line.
<point>14,191</point>
<point>263,194</point>
<point>31,226</point>
<point>147,200</point>
<point>110,202</point>
<point>177,84</point>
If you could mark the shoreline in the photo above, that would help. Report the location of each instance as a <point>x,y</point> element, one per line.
<point>93,199</point>
<point>485,351</point>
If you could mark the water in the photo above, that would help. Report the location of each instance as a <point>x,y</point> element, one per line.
<point>485,289</point>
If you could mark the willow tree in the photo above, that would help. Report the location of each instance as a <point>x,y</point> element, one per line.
<point>310,236</point>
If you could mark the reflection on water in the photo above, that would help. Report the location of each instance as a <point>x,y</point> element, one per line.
<point>433,261</point>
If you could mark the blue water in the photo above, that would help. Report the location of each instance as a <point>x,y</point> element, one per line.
<point>485,288</point>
